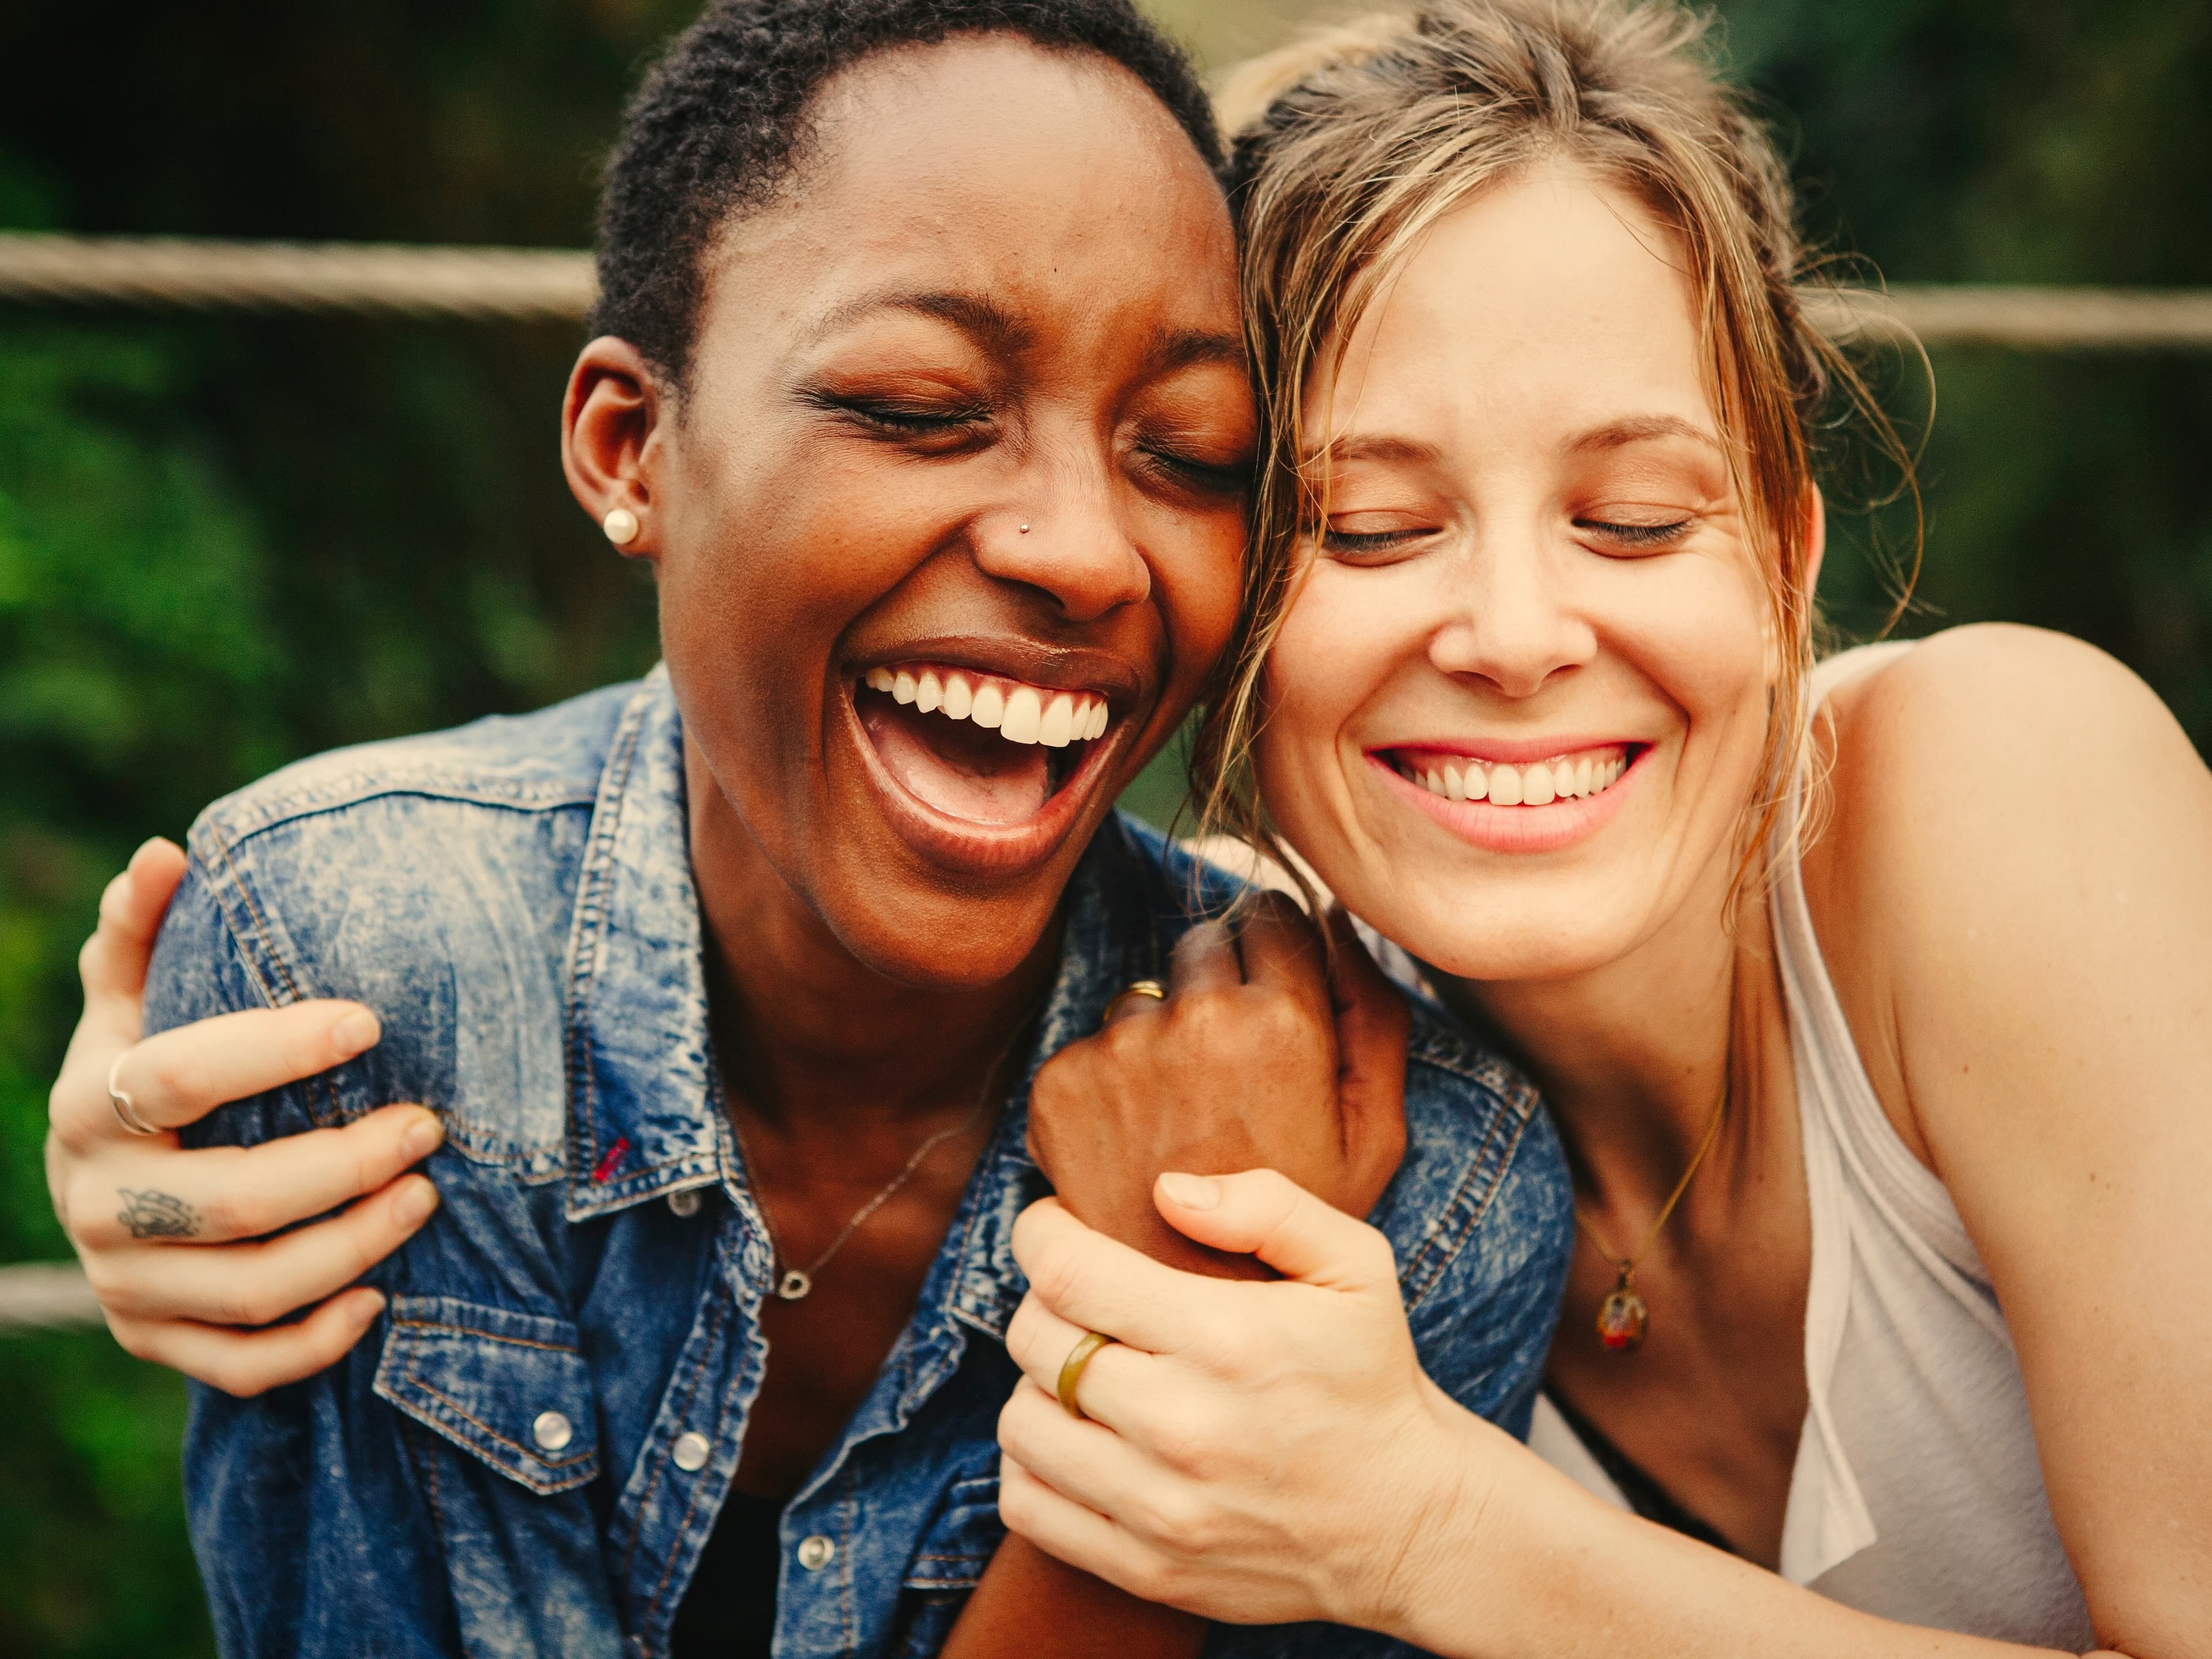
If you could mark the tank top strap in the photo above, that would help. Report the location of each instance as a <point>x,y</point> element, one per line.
<point>1874,1159</point>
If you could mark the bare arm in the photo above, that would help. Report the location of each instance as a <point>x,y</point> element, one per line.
<point>1297,1071</point>
<point>169,1238</point>
<point>2037,932</point>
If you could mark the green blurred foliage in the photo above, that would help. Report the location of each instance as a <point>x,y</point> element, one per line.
<point>228,541</point>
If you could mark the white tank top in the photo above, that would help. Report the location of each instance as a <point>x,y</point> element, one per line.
<point>1916,1494</point>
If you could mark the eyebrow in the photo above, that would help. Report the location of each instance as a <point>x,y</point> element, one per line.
<point>1184,347</point>
<point>975,315</point>
<point>1641,429</point>
<point>1360,447</point>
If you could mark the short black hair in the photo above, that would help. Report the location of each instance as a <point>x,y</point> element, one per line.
<point>718,126</point>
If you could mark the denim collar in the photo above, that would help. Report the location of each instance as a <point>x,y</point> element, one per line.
<point>643,1117</point>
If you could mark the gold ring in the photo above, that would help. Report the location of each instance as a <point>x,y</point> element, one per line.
<point>1071,1372</point>
<point>1143,987</point>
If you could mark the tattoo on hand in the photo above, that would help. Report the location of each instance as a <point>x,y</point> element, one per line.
<point>157,1215</point>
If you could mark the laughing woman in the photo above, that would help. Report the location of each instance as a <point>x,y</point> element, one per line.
<point>919,383</point>
<point>1874,1000</point>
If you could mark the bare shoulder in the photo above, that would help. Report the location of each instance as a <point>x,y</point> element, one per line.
<point>1992,749</point>
<point>2006,805</point>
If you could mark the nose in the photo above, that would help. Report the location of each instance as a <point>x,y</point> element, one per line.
<point>1062,533</point>
<point>1510,618</point>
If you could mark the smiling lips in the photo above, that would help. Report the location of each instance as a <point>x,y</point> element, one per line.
<point>1017,712</point>
<point>986,748</point>
<point>1463,777</point>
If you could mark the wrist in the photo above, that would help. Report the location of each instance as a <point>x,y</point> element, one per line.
<point>1436,1547</point>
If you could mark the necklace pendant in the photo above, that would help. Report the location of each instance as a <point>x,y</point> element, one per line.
<point>793,1284</point>
<point>1623,1318</point>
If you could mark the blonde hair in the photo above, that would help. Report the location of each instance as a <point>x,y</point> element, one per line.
<point>1353,141</point>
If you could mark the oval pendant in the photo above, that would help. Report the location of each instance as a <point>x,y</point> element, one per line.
<point>794,1285</point>
<point>1622,1319</point>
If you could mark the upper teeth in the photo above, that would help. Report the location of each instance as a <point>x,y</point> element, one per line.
<point>1566,777</point>
<point>1018,713</point>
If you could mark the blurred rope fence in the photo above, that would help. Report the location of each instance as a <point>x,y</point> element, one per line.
<point>547,285</point>
<point>42,1295</point>
<point>541,285</point>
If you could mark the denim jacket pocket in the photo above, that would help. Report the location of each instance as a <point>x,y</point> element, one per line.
<point>955,1548</point>
<point>960,1537</point>
<point>512,1388</point>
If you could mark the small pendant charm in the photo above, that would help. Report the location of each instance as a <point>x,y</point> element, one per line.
<point>1622,1319</point>
<point>794,1284</point>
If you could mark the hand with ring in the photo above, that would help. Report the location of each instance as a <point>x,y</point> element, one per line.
<point>1252,1453</point>
<point>1261,1049</point>
<point>173,1240</point>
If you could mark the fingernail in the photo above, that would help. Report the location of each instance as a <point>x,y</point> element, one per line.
<point>422,1140</point>
<point>368,1305</point>
<point>357,1031</point>
<point>415,1203</point>
<point>1192,1192</point>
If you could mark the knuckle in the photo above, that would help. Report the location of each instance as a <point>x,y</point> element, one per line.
<point>134,1338</point>
<point>1057,1278</point>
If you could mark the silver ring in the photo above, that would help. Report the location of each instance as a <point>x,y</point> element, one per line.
<point>126,1109</point>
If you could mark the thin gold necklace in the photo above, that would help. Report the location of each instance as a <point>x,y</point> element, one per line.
<point>1624,1318</point>
<point>794,1283</point>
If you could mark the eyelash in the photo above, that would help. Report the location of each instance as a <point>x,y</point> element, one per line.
<point>1348,543</point>
<point>908,422</point>
<point>1638,535</point>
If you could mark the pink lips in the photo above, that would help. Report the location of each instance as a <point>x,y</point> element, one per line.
<point>1517,829</point>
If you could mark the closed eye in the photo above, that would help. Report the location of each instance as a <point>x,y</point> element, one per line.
<point>894,418</point>
<point>1639,537</point>
<point>1356,544</point>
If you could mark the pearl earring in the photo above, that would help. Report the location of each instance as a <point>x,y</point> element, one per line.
<point>621,526</point>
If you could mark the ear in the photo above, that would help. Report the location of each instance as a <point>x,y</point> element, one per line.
<point>1816,536</point>
<point>614,439</point>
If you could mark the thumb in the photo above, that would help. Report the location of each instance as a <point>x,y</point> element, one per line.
<point>1371,1023</point>
<point>1264,1213</point>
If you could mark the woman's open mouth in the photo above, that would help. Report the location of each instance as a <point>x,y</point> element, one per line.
<point>1520,806</point>
<point>989,751</point>
<point>1571,776</point>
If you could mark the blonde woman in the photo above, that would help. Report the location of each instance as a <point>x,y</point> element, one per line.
<point>1874,1001</point>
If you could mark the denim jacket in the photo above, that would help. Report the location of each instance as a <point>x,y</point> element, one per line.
<point>525,1454</point>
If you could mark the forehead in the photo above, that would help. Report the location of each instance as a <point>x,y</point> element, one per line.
<point>1549,300</point>
<point>1051,181</point>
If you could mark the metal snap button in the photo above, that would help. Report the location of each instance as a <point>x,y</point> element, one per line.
<point>690,1451</point>
<point>686,1203</point>
<point>816,1553</point>
<point>552,1431</point>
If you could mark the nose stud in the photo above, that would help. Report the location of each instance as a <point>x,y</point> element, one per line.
<point>1025,529</point>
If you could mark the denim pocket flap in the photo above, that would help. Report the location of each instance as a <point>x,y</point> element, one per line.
<point>511,1388</point>
<point>960,1537</point>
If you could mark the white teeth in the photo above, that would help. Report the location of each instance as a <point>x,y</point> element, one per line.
<point>1058,724</point>
<point>1536,785</point>
<point>1024,718</point>
<point>1021,714</point>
